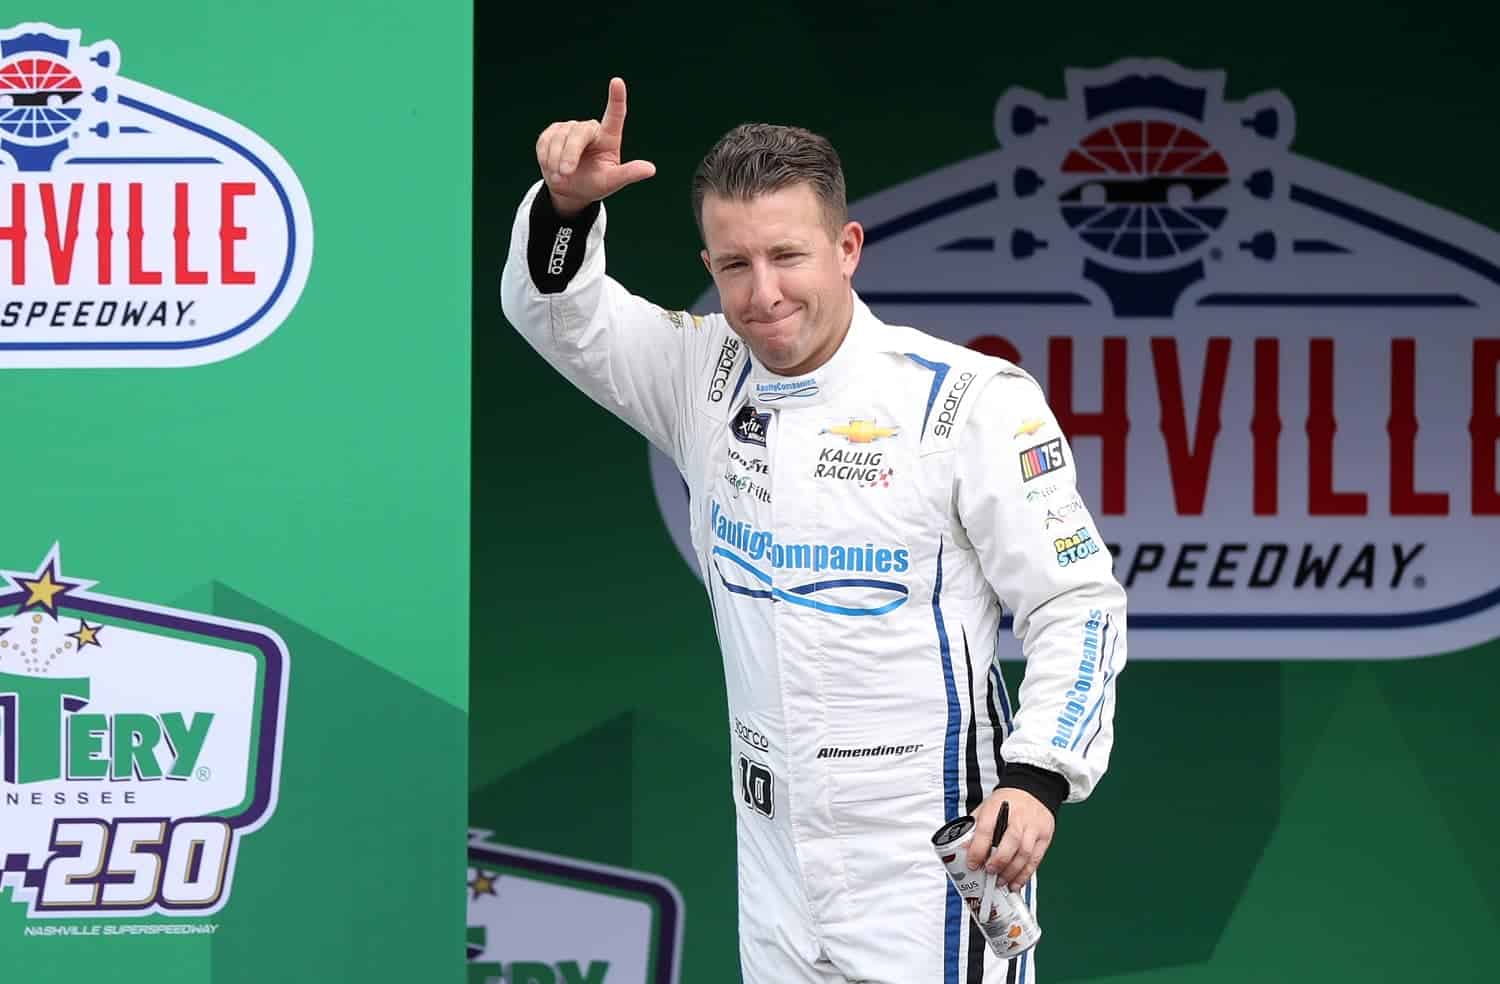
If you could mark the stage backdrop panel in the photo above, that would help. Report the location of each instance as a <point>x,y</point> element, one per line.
<point>1299,779</point>
<point>234,273</point>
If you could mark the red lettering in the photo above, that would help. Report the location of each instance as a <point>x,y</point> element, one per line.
<point>1402,427</point>
<point>135,232</point>
<point>996,346</point>
<point>106,235</point>
<point>16,233</point>
<point>1484,428</point>
<point>1265,425</point>
<point>62,251</point>
<point>1111,424</point>
<point>1322,500</point>
<point>1189,466</point>
<point>229,233</point>
<point>180,233</point>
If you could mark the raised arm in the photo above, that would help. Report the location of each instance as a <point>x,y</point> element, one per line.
<point>629,355</point>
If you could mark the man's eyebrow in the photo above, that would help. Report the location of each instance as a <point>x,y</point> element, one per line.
<point>784,246</point>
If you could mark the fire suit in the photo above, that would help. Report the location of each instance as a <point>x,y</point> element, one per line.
<point>858,530</point>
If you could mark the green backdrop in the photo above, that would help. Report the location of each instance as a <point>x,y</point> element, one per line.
<point>316,484</point>
<point>1313,821</point>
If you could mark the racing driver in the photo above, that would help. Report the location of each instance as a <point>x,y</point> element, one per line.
<point>865,499</point>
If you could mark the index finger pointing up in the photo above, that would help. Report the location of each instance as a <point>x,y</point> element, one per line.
<point>613,123</point>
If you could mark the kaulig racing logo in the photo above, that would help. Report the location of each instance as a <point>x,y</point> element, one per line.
<point>138,746</point>
<point>1278,379</point>
<point>543,919</point>
<point>136,229</point>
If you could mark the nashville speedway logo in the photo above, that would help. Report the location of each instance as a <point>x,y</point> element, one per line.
<point>1277,379</point>
<point>136,229</point>
<point>138,745</point>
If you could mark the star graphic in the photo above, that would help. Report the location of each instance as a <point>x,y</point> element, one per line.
<point>483,884</point>
<point>43,590</point>
<point>87,635</point>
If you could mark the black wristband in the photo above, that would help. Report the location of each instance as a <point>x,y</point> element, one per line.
<point>1045,785</point>
<point>554,251</point>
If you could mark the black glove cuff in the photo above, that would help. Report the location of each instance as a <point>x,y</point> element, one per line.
<point>554,251</point>
<point>1045,785</point>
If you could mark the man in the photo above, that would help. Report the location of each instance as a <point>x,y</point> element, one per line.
<point>864,499</point>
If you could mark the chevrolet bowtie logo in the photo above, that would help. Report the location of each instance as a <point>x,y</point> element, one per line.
<point>862,431</point>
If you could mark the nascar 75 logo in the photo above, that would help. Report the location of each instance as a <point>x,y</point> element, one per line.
<point>138,745</point>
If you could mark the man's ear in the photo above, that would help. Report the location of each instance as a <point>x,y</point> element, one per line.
<point>851,246</point>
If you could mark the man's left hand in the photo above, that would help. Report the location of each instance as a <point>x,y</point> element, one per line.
<point>1027,835</point>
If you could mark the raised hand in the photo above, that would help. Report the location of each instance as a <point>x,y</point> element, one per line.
<point>580,159</point>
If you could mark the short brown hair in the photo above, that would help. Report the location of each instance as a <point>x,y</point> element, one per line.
<point>755,159</point>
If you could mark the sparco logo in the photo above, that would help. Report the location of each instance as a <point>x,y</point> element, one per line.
<point>727,354</point>
<point>751,737</point>
<point>559,251</point>
<point>138,747</point>
<point>949,412</point>
<point>1278,378</point>
<point>136,229</point>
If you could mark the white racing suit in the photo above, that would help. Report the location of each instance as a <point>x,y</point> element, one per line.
<point>858,530</point>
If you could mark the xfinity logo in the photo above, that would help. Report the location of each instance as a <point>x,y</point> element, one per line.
<point>751,737</point>
<point>559,251</point>
<point>949,412</point>
<point>727,354</point>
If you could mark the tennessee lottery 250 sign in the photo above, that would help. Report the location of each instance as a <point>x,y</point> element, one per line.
<point>138,746</point>
<point>1279,378</point>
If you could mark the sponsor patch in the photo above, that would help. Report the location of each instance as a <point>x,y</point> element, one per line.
<point>729,353</point>
<point>874,751</point>
<point>1028,428</point>
<point>789,389</point>
<point>758,787</point>
<point>1042,492</point>
<point>1058,515</point>
<point>861,431</point>
<point>1041,459</point>
<point>1072,549</point>
<point>750,736</point>
<point>749,426</point>
<point>948,412</point>
<point>847,465</point>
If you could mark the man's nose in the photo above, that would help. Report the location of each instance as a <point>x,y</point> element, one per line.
<point>765,291</point>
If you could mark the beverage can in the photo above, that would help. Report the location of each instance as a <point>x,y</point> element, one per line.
<point>1002,915</point>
